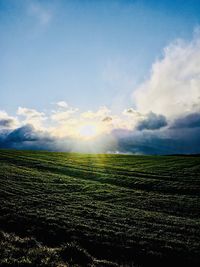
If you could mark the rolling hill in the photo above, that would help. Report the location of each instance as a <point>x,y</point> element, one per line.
<point>68,209</point>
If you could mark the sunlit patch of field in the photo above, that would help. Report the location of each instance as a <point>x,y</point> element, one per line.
<point>124,209</point>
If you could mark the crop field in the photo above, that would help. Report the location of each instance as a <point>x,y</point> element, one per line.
<point>68,209</point>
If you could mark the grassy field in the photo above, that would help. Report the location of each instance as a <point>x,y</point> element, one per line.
<point>65,209</point>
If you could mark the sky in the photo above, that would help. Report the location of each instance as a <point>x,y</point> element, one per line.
<point>100,76</point>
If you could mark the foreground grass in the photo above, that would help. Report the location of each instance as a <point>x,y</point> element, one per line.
<point>125,209</point>
<point>28,252</point>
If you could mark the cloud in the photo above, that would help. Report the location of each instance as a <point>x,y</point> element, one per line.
<point>152,122</point>
<point>61,116</point>
<point>132,112</point>
<point>31,113</point>
<point>62,104</point>
<point>164,140</point>
<point>173,88</point>
<point>158,142</point>
<point>22,134</point>
<point>100,113</point>
<point>107,119</point>
<point>27,137</point>
<point>7,121</point>
<point>32,116</point>
<point>27,133</point>
<point>188,121</point>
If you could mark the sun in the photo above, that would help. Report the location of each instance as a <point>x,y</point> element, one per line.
<point>87,131</point>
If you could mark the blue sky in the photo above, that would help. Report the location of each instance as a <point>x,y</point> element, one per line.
<point>88,53</point>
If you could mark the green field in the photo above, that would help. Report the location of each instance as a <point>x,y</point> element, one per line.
<point>67,209</point>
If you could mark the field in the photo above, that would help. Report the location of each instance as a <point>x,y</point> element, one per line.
<point>67,209</point>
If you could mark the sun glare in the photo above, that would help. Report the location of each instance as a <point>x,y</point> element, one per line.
<point>87,131</point>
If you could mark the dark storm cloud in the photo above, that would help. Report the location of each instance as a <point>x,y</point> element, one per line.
<point>169,141</point>
<point>152,122</point>
<point>189,121</point>
<point>26,137</point>
<point>23,134</point>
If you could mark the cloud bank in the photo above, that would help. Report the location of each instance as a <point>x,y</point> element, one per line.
<point>173,88</point>
<point>165,120</point>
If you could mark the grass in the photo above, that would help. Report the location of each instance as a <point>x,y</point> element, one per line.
<point>129,210</point>
<point>28,252</point>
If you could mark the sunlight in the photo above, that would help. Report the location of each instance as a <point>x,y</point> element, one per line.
<point>87,131</point>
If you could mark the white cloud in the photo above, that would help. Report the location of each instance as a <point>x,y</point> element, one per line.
<point>61,116</point>
<point>32,116</point>
<point>29,112</point>
<point>100,113</point>
<point>173,88</point>
<point>3,114</point>
<point>62,104</point>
